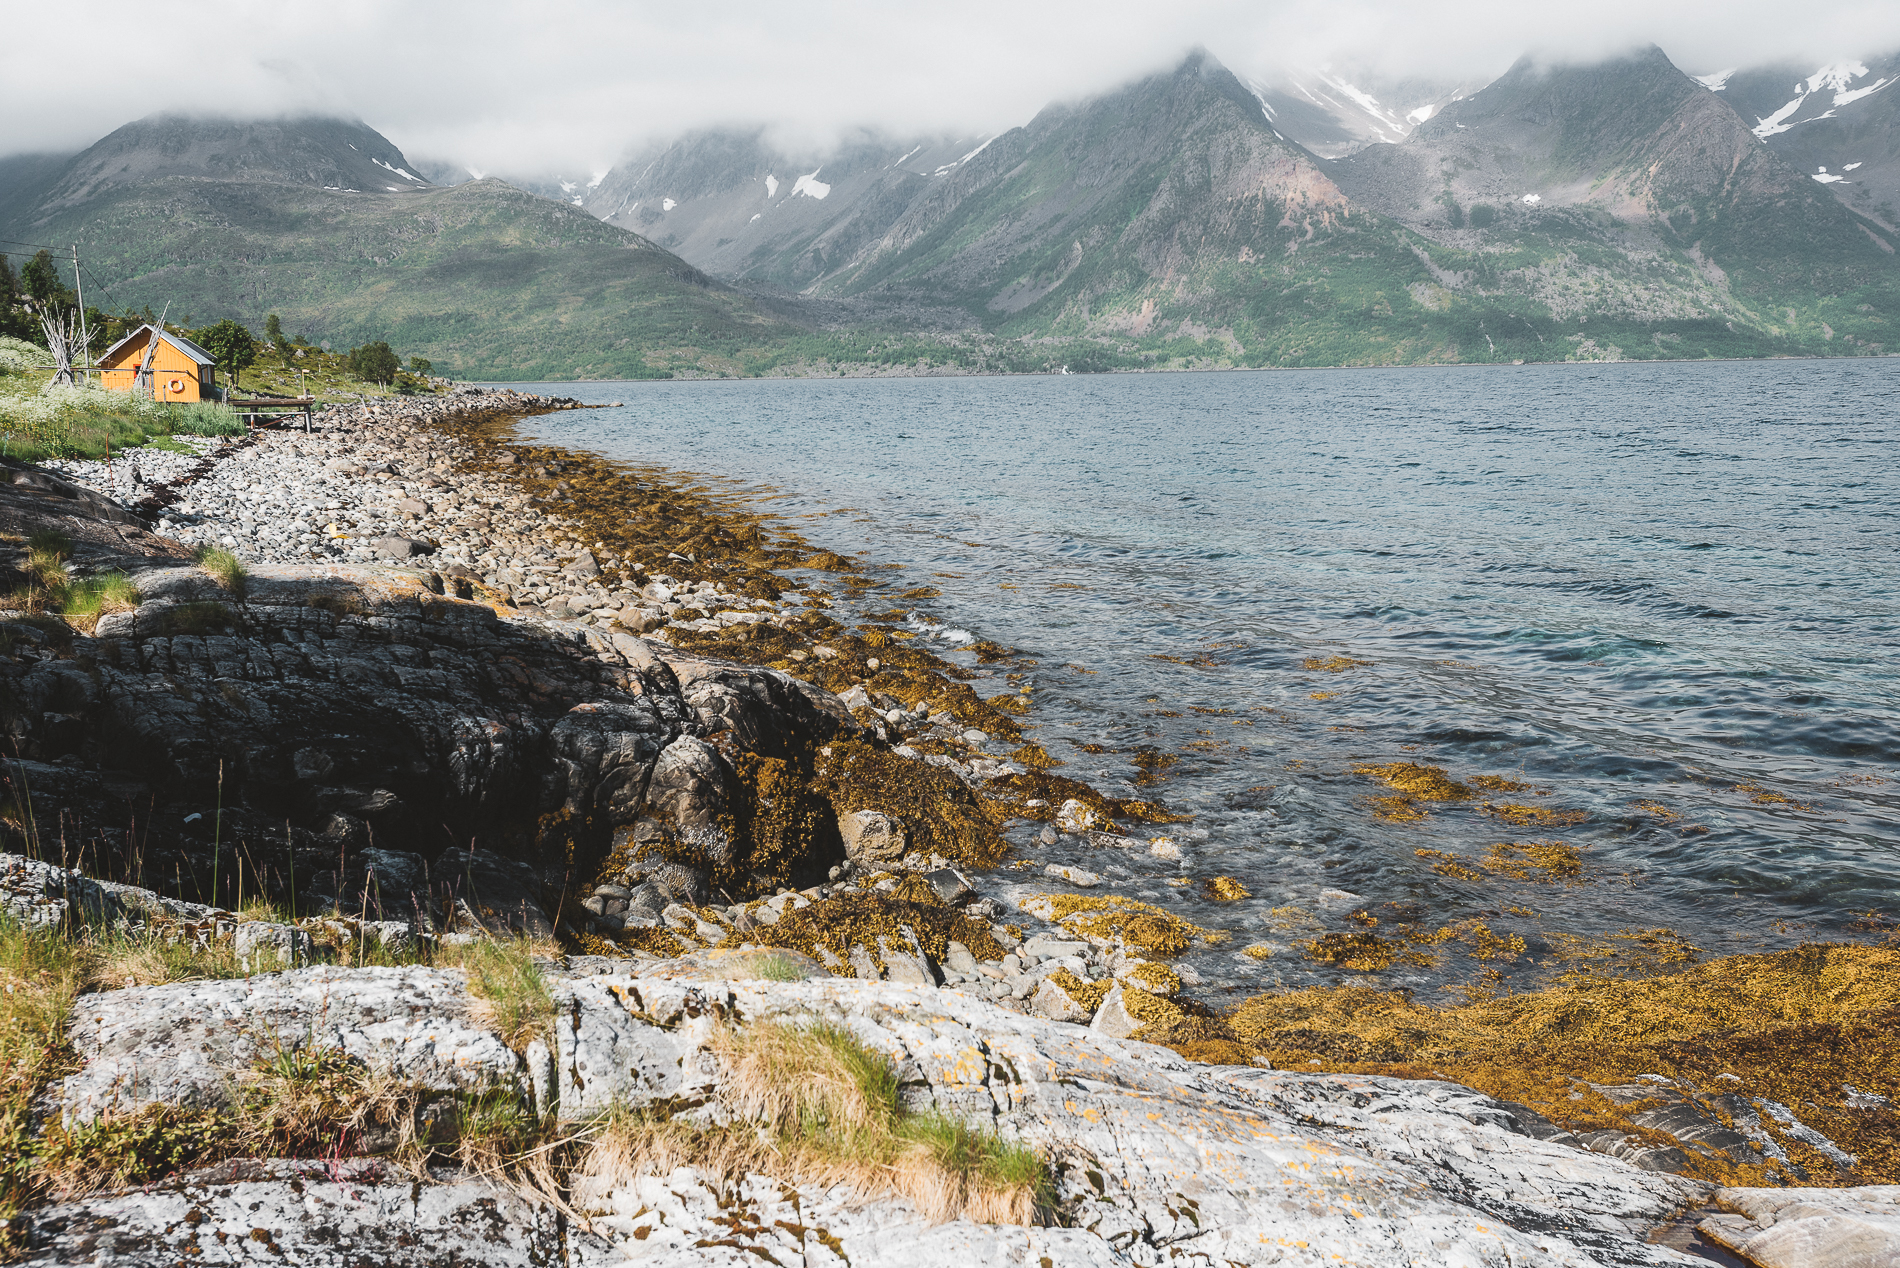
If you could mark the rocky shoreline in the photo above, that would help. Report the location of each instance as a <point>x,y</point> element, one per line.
<point>463,688</point>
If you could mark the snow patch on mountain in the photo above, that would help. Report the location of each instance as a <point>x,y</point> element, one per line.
<point>1842,98</point>
<point>397,170</point>
<point>1718,81</point>
<point>667,204</point>
<point>1421,114</point>
<point>947,167</point>
<point>1836,78</point>
<point>771,187</point>
<point>811,187</point>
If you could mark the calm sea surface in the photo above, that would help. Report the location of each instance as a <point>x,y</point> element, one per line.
<point>1667,594</point>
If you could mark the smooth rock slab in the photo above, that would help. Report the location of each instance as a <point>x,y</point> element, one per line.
<point>1161,1160</point>
<point>1811,1228</point>
<point>186,1043</point>
<point>311,1216</point>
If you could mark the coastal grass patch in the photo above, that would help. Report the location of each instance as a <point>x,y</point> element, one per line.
<point>223,567</point>
<point>39,421</point>
<point>296,1100</point>
<point>1793,1041</point>
<point>510,990</point>
<point>48,588</point>
<point>815,1104</point>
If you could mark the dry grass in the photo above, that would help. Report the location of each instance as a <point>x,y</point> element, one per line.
<point>817,1106</point>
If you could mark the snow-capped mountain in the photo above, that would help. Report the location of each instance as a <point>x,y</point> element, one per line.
<point>1839,123</point>
<point>1334,112</point>
<point>735,203</point>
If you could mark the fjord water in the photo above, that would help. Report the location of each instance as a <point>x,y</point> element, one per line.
<point>1667,594</point>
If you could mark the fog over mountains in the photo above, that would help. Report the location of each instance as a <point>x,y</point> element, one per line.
<point>1615,208</point>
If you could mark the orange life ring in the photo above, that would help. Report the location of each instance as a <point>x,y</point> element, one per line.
<point>176,385</point>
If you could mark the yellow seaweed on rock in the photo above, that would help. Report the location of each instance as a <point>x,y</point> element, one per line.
<point>1800,1028</point>
<point>830,930</point>
<point>1416,784</point>
<point>1520,816</point>
<point>1226,889</point>
<point>1545,861</point>
<point>1420,783</point>
<point>940,812</point>
<point>1332,665</point>
<point>1109,919</point>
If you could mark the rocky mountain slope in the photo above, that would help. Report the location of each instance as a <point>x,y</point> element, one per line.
<point>326,223</point>
<point>1613,210</point>
<point>1336,112</point>
<point>1626,190</point>
<point>1839,123</point>
<point>742,207</point>
<point>1616,210</point>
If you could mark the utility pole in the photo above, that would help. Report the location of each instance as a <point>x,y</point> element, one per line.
<point>85,336</point>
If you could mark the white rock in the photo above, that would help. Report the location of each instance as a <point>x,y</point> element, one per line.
<point>263,946</point>
<point>1113,1018</point>
<point>185,1043</point>
<point>1051,1001</point>
<point>1810,1228</point>
<point>1075,817</point>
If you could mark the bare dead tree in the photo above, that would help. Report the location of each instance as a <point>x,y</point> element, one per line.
<point>143,382</point>
<point>62,338</point>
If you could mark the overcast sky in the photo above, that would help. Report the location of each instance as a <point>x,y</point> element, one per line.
<point>569,85</point>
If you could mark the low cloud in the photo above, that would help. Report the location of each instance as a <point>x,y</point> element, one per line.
<point>571,85</point>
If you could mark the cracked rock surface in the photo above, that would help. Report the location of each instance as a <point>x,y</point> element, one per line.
<point>1156,1159</point>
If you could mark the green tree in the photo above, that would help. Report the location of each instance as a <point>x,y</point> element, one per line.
<point>14,319</point>
<point>43,284</point>
<point>374,362</point>
<point>274,335</point>
<point>421,365</point>
<point>230,344</point>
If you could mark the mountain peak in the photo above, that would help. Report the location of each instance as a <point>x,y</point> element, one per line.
<point>325,152</point>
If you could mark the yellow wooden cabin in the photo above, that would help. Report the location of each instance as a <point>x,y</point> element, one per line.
<point>181,370</point>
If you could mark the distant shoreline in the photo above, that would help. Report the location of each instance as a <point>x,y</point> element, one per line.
<point>1226,369</point>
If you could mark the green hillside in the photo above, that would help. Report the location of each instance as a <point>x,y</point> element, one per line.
<point>485,280</point>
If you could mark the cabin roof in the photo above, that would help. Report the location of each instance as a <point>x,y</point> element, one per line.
<point>179,342</point>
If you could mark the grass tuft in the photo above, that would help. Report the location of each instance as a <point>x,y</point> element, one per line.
<point>509,987</point>
<point>223,567</point>
<point>815,1104</point>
